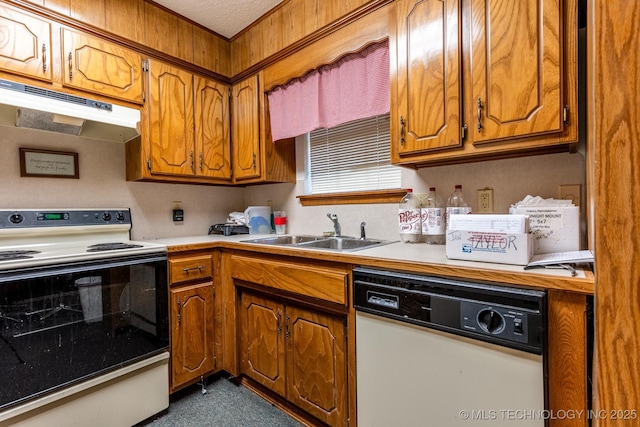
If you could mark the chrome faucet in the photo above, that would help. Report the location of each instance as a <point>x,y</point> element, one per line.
<point>337,230</point>
<point>363,235</point>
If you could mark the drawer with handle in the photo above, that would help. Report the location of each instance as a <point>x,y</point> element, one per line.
<point>190,268</point>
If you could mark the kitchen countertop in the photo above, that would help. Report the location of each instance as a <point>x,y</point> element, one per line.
<point>418,257</point>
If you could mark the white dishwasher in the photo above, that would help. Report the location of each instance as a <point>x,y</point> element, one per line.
<point>445,353</point>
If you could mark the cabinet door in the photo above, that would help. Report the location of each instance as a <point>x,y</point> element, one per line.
<point>316,364</point>
<point>25,44</point>
<point>261,341</point>
<point>212,121</point>
<point>192,339</point>
<point>425,77</point>
<point>94,65</point>
<point>170,115</point>
<point>245,128</point>
<point>516,69</point>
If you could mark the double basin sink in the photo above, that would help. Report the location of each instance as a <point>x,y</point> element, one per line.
<point>342,243</point>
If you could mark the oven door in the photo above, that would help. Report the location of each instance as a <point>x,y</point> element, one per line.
<point>64,324</point>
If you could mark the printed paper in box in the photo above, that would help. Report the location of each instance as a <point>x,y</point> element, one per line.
<point>504,248</point>
<point>555,229</point>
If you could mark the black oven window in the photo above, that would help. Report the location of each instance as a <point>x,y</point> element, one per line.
<point>64,328</point>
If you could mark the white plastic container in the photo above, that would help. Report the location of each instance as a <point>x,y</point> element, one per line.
<point>409,222</point>
<point>90,290</point>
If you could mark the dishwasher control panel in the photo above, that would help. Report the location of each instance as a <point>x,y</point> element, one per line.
<point>495,320</point>
<point>508,316</point>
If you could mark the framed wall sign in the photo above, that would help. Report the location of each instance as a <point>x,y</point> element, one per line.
<point>47,163</point>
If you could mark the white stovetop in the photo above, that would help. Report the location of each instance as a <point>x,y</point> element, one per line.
<point>60,253</point>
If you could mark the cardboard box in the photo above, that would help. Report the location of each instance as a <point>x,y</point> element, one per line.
<point>503,248</point>
<point>555,229</point>
<point>496,223</point>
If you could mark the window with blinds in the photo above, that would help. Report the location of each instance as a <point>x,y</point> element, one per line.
<point>354,156</point>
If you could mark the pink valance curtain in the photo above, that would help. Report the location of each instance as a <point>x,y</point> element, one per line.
<point>355,87</point>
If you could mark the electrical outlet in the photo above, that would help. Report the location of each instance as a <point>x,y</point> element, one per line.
<point>178,212</point>
<point>485,200</point>
<point>571,192</point>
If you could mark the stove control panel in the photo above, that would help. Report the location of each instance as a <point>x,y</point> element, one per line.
<point>31,218</point>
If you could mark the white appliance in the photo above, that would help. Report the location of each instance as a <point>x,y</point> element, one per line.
<point>437,352</point>
<point>83,320</point>
<point>258,219</point>
<point>42,109</point>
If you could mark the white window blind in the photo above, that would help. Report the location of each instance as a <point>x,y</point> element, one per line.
<point>354,156</point>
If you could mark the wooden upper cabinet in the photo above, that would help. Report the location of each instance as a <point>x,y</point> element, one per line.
<point>212,133</point>
<point>94,65</point>
<point>516,69</point>
<point>189,129</point>
<point>482,79</point>
<point>25,44</point>
<point>170,117</point>
<point>425,76</point>
<point>245,128</point>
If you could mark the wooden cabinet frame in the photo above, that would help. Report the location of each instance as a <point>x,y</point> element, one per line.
<point>532,130</point>
<point>194,317</point>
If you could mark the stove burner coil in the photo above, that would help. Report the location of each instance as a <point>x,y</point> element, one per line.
<point>99,247</point>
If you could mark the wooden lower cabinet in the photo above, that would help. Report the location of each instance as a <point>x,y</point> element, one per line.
<point>192,333</point>
<point>296,352</point>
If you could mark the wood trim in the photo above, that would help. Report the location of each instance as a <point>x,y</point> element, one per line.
<point>311,38</point>
<point>371,29</point>
<point>567,358</point>
<point>184,18</point>
<point>353,198</point>
<point>615,113</point>
<point>226,301</point>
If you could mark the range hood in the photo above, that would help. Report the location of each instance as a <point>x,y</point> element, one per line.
<point>32,107</point>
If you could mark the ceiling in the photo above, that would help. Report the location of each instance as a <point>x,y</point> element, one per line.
<point>225,17</point>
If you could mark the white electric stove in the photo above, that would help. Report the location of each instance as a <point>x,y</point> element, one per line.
<point>83,319</point>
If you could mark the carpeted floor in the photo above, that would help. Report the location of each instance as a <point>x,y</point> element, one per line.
<point>224,405</point>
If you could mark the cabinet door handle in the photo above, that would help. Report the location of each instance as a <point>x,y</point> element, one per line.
<point>193,168</point>
<point>44,58</point>
<point>188,269</point>
<point>254,162</point>
<point>179,311</point>
<point>201,161</point>
<point>279,318</point>
<point>479,114</point>
<point>70,66</point>
<point>401,130</point>
<point>286,327</point>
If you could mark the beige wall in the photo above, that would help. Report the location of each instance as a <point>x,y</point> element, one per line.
<point>510,179</point>
<point>102,184</point>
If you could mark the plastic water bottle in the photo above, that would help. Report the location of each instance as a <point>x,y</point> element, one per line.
<point>456,204</point>
<point>409,223</point>
<point>432,214</point>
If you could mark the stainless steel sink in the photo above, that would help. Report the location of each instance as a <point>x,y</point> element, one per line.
<point>284,240</point>
<point>343,244</point>
<point>320,242</point>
